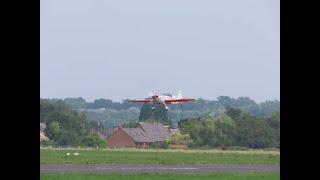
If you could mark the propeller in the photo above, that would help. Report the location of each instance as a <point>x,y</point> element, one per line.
<point>152,93</point>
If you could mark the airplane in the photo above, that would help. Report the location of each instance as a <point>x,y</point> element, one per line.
<point>165,99</point>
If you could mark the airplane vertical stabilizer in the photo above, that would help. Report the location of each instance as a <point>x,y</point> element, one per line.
<point>180,94</point>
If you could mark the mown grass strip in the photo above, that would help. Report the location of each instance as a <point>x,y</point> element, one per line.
<point>97,156</point>
<point>168,176</point>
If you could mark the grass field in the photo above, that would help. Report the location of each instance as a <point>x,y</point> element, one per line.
<point>220,176</point>
<point>144,156</point>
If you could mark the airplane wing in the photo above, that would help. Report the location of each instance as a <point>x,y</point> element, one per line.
<point>149,100</point>
<point>178,100</point>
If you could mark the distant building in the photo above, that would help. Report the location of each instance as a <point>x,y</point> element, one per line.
<point>109,131</point>
<point>42,136</point>
<point>103,133</point>
<point>143,135</point>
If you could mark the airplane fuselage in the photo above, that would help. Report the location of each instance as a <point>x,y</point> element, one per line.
<point>165,99</point>
<point>161,99</point>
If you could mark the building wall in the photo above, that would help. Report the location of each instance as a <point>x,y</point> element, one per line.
<point>143,144</point>
<point>120,138</point>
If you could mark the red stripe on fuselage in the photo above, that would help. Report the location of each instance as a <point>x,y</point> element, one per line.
<point>141,100</point>
<point>178,100</point>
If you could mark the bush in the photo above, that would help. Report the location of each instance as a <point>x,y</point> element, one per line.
<point>46,143</point>
<point>68,138</point>
<point>162,145</point>
<point>93,140</point>
<point>238,148</point>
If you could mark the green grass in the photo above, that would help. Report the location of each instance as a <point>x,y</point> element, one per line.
<point>146,176</point>
<point>99,156</point>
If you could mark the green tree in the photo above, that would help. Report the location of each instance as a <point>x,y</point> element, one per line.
<point>207,131</point>
<point>215,132</point>
<point>192,126</point>
<point>76,103</point>
<point>53,130</point>
<point>268,108</point>
<point>232,112</point>
<point>179,139</point>
<point>274,121</point>
<point>68,138</point>
<point>224,131</point>
<point>93,140</point>
<point>102,103</point>
<point>64,125</point>
<point>159,114</point>
<point>226,101</point>
<point>130,124</point>
<point>254,132</point>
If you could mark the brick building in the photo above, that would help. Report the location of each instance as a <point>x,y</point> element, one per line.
<point>143,135</point>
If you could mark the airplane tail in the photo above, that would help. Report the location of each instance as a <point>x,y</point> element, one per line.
<point>180,94</point>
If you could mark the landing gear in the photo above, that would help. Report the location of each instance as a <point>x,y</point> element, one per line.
<point>153,108</point>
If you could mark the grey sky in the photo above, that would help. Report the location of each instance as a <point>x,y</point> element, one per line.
<point>123,48</point>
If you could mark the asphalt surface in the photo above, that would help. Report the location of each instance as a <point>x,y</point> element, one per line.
<point>156,168</point>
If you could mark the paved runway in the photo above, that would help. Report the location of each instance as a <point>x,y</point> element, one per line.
<point>156,168</point>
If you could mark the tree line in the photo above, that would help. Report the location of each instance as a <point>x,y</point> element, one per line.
<point>117,114</point>
<point>66,127</point>
<point>234,128</point>
<point>216,107</point>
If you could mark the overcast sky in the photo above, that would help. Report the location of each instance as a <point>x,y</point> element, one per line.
<point>123,49</point>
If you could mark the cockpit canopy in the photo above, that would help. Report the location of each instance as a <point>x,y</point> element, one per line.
<point>167,94</point>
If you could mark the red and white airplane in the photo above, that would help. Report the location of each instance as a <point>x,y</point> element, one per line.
<point>165,99</point>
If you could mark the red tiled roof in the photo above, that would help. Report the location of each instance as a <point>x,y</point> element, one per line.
<point>147,132</point>
<point>157,131</point>
<point>138,135</point>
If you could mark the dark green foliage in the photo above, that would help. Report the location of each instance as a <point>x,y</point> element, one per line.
<point>158,115</point>
<point>93,140</point>
<point>274,121</point>
<point>130,124</point>
<point>48,106</point>
<point>210,131</point>
<point>67,120</point>
<point>232,112</point>
<point>217,132</point>
<point>192,127</point>
<point>179,139</point>
<point>113,117</point>
<point>226,101</point>
<point>253,132</point>
<point>161,145</point>
<point>245,131</point>
<point>64,126</point>
<point>268,108</point>
<point>198,108</point>
<point>102,103</point>
<point>59,117</point>
<point>265,109</point>
<point>53,130</point>
<point>68,138</point>
<point>47,143</point>
<point>76,103</point>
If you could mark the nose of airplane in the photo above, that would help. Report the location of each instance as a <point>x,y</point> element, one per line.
<point>155,96</point>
